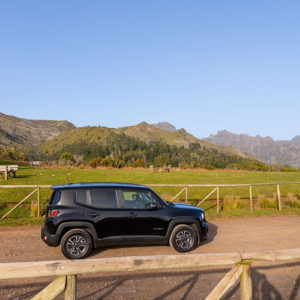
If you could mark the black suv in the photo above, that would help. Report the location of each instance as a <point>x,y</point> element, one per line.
<point>86,215</point>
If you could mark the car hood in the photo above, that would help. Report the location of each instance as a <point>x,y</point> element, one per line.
<point>185,206</point>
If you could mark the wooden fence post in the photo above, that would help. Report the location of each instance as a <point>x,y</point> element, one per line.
<point>186,195</point>
<point>38,202</point>
<point>278,198</point>
<point>251,200</point>
<point>70,291</point>
<point>218,200</point>
<point>246,282</point>
<point>6,173</point>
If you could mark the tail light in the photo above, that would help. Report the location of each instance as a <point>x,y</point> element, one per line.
<point>52,213</point>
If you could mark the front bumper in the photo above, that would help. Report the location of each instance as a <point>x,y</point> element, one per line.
<point>49,239</point>
<point>204,231</point>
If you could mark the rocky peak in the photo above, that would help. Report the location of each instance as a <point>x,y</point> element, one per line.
<point>164,126</point>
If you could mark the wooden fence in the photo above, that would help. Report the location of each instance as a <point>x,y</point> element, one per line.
<point>217,190</point>
<point>185,187</point>
<point>67,270</point>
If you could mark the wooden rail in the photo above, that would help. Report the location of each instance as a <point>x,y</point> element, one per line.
<point>67,270</point>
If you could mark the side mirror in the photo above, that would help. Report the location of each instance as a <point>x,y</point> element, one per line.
<point>153,205</point>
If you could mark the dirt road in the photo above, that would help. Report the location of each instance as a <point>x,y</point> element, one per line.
<point>271,281</point>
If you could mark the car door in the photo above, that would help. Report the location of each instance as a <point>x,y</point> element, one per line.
<point>104,211</point>
<point>140,218</point>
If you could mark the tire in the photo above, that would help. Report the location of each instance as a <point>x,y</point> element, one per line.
<point>183,238</point>
<point>76,244</point>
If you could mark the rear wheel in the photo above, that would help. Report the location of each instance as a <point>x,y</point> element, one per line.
<point>76,244</point>
<point>183,238</point>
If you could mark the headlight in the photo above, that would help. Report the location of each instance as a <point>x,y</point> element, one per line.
<point>202,216</point>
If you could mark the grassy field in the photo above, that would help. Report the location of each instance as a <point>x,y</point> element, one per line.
<point>235,201</point>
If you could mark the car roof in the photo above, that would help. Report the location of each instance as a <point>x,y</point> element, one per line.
<point>87,185</point>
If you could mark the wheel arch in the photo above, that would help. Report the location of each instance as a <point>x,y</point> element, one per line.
<point>63,228</point>
<point>192,222</point>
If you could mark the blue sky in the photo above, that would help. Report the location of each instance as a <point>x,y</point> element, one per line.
<point>201,65</point>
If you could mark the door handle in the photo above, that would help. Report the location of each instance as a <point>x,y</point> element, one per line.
<point>132,215</point>
<point>92,214</point>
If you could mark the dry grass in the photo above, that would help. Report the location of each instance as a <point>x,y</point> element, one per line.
<point>233,202</point>
<point>267,202</point>
<point>292,201</point>
<point>33,208</point>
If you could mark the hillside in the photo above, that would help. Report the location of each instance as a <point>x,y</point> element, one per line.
<point>150,133</point>
<point>156,144</point>
<point>24,133</point>
<point>143,131</point>
<point>264,148</point>
<point>142,141</point>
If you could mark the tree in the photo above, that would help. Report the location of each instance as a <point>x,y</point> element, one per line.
<point>139,163</point>
<point>67,158</point>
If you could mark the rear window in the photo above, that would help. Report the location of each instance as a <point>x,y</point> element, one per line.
<point>82,197</point>
<point>55,197</point>
<point>98,198</point>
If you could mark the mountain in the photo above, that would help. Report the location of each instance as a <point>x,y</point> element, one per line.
<point>142,131</point>
<point>264,148</point>
<point>142,141</point>
<point>24,133</point>
<point>180,137</point>
<point>164,126</point>
<point>157,144</point>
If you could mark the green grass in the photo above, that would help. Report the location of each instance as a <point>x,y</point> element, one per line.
<point>240,195</point>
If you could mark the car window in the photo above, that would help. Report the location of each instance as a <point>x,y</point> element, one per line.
<point>55,197</point>
<point>103,198</point>
<point>138,199</point>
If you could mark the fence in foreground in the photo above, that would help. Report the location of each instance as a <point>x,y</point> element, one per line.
<point>67,270</point>
<point>185,187</point>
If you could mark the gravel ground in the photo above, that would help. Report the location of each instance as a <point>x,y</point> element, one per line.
<point>270,281</point>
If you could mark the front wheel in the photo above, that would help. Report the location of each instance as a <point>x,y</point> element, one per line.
<point>183,238</point>
<point>76,244</point>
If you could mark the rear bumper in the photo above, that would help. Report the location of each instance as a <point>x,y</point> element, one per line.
<point>49,239</point>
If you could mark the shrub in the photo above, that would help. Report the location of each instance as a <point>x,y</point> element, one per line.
<point>266,202</point>
<point>293,201</point>
<point>107,162</point>
<point>249,166</point>
<point>207,167</point>
<point>139,163</point>
<point>12,154</point>
<point>232,202</point>
<point>95,162</point>
<point>67,158</point>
